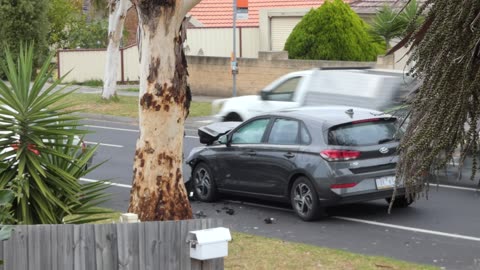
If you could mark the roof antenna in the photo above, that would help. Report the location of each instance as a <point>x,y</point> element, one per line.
<point>349,112</point>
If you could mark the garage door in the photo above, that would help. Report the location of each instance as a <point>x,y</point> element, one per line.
<point>281,28</point>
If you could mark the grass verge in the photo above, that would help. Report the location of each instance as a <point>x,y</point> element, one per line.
<point>90,83</point>
<point>129,90</point>
<point>123,106</point>
<point>247,251</point>
<point>256,252</point>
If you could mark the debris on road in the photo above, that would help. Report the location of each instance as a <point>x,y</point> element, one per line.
<point>200,214</point>
<point>229,210</point>
<point>269,220</point>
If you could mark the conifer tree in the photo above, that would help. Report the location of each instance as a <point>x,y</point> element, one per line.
<point>332,32</point>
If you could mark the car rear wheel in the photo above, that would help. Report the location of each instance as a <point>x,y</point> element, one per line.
<point>304,200</point>
<point>400,202</point>
<point>204,187</point>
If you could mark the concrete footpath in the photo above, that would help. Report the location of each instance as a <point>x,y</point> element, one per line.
<point>122,90</point>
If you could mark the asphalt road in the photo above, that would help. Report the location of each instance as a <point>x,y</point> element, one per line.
<point>442,231</point>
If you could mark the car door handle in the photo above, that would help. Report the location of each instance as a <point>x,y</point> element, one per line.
<point>289,155</point>
<point>251,153</point>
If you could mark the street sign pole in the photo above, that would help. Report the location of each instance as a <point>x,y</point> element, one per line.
<point>234,63</point>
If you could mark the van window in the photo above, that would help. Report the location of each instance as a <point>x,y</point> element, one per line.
<point>364,133</point>
<point>284,91</point>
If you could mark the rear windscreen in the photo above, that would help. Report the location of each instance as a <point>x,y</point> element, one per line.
<point>364,133</point>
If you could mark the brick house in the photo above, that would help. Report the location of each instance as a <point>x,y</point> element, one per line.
<point>269,24</point>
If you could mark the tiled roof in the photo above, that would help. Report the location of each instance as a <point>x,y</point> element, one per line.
<point>371,6</point>
<point>219,13</point>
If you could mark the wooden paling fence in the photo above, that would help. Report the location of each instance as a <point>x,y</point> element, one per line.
<point>132,246</point>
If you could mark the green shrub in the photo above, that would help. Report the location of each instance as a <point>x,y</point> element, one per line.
<point>332,32</point>
<point>24,20</point>
<point>85,34</point>
<point>63,15</point>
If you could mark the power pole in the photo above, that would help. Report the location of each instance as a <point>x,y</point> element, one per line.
<point>234,54</point>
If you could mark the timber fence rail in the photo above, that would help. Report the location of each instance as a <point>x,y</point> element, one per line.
<point>132,246</point>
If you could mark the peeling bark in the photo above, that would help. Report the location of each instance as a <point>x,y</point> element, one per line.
<point>118,12</point>
<point>158,192</point>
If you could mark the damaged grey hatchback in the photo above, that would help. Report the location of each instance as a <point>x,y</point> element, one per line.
<point>310,157</point>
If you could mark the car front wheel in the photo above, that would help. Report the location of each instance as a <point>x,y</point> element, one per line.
<point>304,200</point>
<point>204,187</point>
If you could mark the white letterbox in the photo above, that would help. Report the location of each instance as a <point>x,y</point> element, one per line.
<point>129,218</point>
<point>209,244</point>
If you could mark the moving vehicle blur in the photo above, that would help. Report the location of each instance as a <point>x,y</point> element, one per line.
<point>364,88</point>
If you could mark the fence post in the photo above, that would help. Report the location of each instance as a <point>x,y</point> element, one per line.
<point>122,64</point>
<point>58,64</point>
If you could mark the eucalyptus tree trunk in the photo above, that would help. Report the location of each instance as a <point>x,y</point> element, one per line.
<point>118,11</point>
<point>158,192</point>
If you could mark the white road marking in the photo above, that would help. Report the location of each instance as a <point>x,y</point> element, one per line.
<point>110,121</point>
<point>454,187</point>
<point>412,229</point>
<point>112,128</point>
<point>105,144</point>
<point>106,183</point>
<point>205,121</point>
<point>126,129</point>
<point>195,137</point>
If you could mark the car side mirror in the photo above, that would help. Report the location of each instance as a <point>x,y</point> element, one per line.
<point>264,95</point>
<point>223,139</point>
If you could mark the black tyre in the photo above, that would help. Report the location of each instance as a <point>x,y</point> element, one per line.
<point>400,202</point>
<point>304,200</point>
<point>232,117</point>
<point>204,187</point>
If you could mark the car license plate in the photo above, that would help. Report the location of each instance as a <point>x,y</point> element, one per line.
<point>385,182</point>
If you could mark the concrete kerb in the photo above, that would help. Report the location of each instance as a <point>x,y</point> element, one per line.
<point>191,122</point>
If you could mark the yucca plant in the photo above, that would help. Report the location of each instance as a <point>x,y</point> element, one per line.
<point>41,156</point>
<point>387,24</point>
<point>390,24</point>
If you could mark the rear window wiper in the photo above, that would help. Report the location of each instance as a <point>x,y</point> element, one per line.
<point>387,140</point>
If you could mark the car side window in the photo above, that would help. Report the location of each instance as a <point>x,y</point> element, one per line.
<point>251,133</point>
<point>284,131</point>
<point>304,135</point>
<point>285,91</point>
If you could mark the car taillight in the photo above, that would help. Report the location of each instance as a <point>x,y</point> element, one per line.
<point>366,120</point>
<point>338,155</point>
<point>347,185</point>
